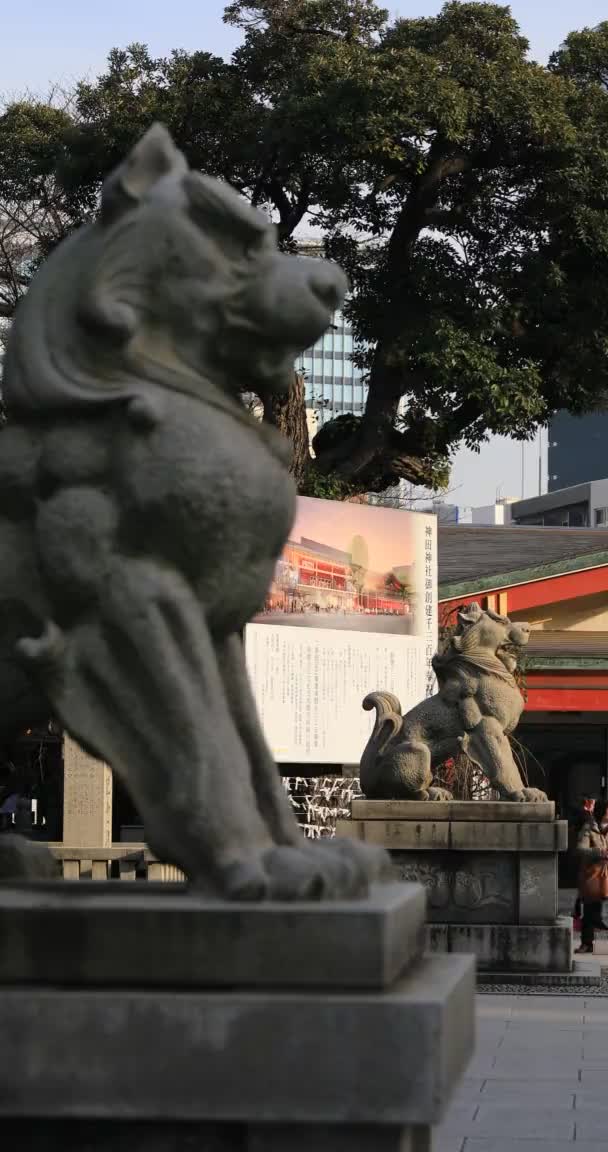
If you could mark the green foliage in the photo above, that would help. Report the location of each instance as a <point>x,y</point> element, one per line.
<point>36,210</point>
<point>583,57</point>
<point>325,487</point>
<point>463,187</point>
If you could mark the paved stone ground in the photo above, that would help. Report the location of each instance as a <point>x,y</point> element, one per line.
<point>539,1078</point>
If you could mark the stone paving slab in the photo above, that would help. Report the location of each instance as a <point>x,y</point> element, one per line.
<point>546,1095</point>
<point>525,1122</point>
<point>595,1078</point>
<point>587,1097</point>
<point>538,1080</point>
<point>549,1071</point>
<point>552,1009</point>
<point>594,1045</point>
<point>592,1124</point>
<point>448,1144</point>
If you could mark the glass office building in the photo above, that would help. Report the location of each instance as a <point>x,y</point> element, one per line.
<point>578,449</point>
<point>333,383</point>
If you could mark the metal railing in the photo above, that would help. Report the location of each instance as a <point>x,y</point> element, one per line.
<point>121,861</point>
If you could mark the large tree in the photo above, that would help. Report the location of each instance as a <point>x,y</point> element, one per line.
<point>463,186</point>
<point>36,209</point>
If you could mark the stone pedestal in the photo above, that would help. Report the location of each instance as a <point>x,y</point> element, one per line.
<point>490,870</point>
<point>87,799</point>
<point>164,1022</point>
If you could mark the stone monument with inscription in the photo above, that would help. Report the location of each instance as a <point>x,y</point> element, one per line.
<point>271,1001</point>
<point>87,798</point>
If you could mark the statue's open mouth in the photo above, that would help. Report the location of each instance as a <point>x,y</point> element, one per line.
<point>512,648</point>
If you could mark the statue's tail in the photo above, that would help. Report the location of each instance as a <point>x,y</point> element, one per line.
<point>388,724</point>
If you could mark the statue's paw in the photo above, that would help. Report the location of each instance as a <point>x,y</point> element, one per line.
<point>295,874</point>
<point>532,796</point>
<point>440,794</point>
<point>338,869</point>
<point>353,866</point>
<point>244,880</point>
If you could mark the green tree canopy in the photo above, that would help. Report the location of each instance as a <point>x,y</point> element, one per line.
<point>463,187</point>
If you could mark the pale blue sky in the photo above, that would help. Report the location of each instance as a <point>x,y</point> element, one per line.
<point>44,42</point>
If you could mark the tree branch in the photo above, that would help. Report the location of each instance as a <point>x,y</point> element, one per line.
<point>309,30</point>
<point>444,218</point>
<point>386,385</point>
<point>11,277</point>
<point>291,212</point>
<point>288,415</point>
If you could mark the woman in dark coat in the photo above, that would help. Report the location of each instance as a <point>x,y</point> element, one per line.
<point>592,848</point>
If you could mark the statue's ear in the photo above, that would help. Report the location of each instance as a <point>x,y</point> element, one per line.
<point>217,205</point>
<point>153,157</point>
<point>469,614</point>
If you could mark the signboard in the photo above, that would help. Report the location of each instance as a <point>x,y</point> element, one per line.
<point>352,609</point>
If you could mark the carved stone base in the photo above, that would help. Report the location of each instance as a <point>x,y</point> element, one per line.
<point>490,871</point>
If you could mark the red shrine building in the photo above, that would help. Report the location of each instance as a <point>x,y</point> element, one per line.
<point>557,580</point>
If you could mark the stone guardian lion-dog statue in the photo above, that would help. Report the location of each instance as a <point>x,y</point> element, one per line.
<point>477,706</point>
<point>143,510</point>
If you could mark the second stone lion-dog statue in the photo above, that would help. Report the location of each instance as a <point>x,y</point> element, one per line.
<point>477,707</point>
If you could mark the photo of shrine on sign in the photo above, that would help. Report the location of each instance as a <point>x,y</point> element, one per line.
<point>347,566</point>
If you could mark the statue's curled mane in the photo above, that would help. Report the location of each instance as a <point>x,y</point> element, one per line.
<point>76,341</point>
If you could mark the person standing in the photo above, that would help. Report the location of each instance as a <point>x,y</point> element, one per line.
<point>581,816</point>
<point>592,848</point>
<point>588,809</point>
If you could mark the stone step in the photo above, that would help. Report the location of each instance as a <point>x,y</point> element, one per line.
<point>154,936</point>
<point>524,948</point>
<point>264,1056</point>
